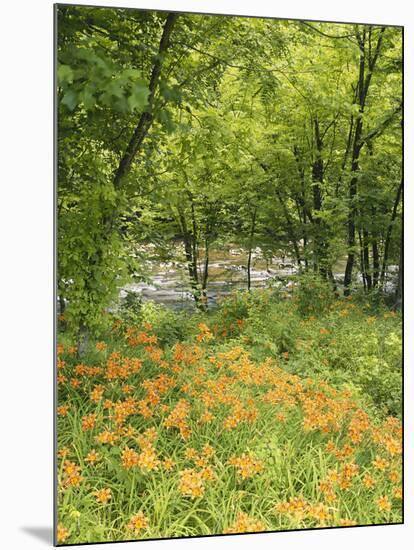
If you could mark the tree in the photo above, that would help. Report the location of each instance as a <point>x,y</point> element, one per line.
<point>193,132</point>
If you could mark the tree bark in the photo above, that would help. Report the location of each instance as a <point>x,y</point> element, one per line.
<point>251,237</point>
<point>353,190</point>
<point>205,270</point>
<point>301,200</point>
<point>367,267</point>
<point>145,121</point>
<point>389,233</point>
<point>367,62</point>
<point>83,340</point>
<point>400,282</point>
<point>188,239</point>
<point>203,296</point>
<point>146,118</point>
<point>320,246</point>
<point>62,304</point>
<point>289,227</point>
<point>375,263</point>
<point>361,260</point>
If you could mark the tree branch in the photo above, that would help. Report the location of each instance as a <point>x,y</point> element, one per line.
<point>375,132</point>
<point>146,117</point>
<point>327,35</point>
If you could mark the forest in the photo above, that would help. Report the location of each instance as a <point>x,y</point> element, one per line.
<point>229,274</point>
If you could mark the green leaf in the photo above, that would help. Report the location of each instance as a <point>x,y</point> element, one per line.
<point>138,99</point>
<point>113,89</point>
<point>131,74</point>
<point>65,74</point>
<point>70,99</point>
<point>87,98</point>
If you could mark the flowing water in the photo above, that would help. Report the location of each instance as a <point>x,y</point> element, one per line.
<point>169,283</point>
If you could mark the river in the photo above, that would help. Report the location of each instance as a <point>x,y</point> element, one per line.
<point>168,282</point>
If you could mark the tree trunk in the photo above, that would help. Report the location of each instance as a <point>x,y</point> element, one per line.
<point>367,267</point>
<point>194,241</point>
<point>83,339</point>
<point>289,223</point>
<point>108,220</point>
<point>353,190</point>
<point>62,304</point>
<point>361,260</point>
<point>191,262</point>
<point>301,199</point>
<point>289,227</point>
<point>146,118</point>
<point>205,275</point>
<point>320,247</point>
<point>400,282</point>
<point>192,271</point>
<point>305,240</point>
<point>389,233</point>
<point>251,237</point>
<point>367,62</point>
<point>375,263</point>
<point>333,281</point>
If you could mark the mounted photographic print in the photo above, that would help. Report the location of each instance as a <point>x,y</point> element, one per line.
<point>229,274</point>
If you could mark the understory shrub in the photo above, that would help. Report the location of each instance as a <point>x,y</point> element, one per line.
<point>312,294</point>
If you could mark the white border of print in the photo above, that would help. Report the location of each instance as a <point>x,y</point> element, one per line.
<point>26,276</point>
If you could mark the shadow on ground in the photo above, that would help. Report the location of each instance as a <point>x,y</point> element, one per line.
<point>44,534</point>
